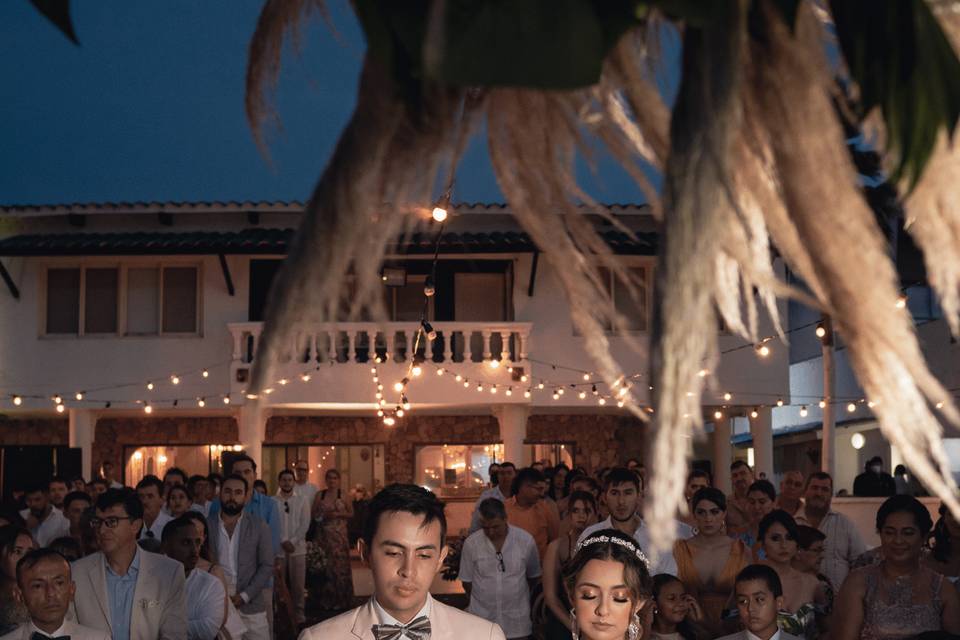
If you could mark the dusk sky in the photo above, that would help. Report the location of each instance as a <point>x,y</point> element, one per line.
<point>150,107</point>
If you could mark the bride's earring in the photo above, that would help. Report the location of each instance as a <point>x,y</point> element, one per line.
<point>633,631</point>
<point>574,629</point>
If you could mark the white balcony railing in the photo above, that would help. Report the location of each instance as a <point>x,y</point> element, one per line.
<point>360,342</point>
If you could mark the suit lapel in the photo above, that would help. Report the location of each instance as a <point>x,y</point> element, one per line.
<point>99,587</point>
<point>366,618</point>
<point>439,621</point>
<point>139,595</point>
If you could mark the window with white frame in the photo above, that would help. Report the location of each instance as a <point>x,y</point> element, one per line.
<point>116,299</point>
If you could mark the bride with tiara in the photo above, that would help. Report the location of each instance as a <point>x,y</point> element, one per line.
<point>608,584</point>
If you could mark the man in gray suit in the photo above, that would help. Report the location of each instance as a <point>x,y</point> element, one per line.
<point>241,543</point>
<point>130,593</point>
<point>46,588</point>
<point>759,595</point>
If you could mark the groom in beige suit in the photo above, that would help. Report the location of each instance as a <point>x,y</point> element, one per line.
<point>123,590</point>
<point>403,539</point>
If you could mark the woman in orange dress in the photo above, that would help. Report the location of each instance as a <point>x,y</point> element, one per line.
<point>708,563</point>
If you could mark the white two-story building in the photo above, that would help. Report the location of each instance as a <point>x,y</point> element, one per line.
<point>128,331</point>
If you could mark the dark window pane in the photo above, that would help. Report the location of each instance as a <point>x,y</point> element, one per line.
<point>180,300</point>
<point>100,310</point>
<point>143,301</point>
<point>63,300</point>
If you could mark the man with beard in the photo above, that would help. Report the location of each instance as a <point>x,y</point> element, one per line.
<point>404,544</point>
<point>240,542</point>
<point>738,506</point>
<point>206,599</point>
<point>128,592</point>
<point>46,522</point>
<point>843,543</point>
<point>57,488</point>
<point>46,588</point>
<point>623,492</point>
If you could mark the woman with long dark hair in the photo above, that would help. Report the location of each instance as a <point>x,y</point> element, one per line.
<point>333,509</point>
<point>581,514</point>
<point>608,584</point>
<point>15,542</point>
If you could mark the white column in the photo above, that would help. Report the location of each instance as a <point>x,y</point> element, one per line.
<point>722,455</point>
<point>82,422</point>
<point>252,423</point>
<point>761,428</point>
<point>513,431</point>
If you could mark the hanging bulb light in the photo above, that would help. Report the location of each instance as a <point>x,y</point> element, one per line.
<point>17,400</point>
<point>466,384</point>
<point>763,350</point>
<point>851,408</point>
<point>57,399</point>
<point>149,386</point>
<point>582,395</point>
<point>602,401</point>
<point>205,373</point>
<point>779,402</point>
<point>524,378</point>
<point>60,408</point>
<point>586,377</point>
<point>175,379</point>
<point>823,404</point>
<point>620,404</point>
<point>556,396</point>
<point>821,331</point>
<point>283,382</point>
<point>479,386</point>
<point>526,393</point>
<point>754,414</point>
<point>541,385</point>
<point>399,412</point>
<point>305,377</point>
<point>493,389</point>
<point>79,395</point>
<point>201,402</point>
<point>417,371</point>
<point>379,413</point>
<point>429,289</point>
<point>901,301</point>
<point>147,408</point>
<point>717,415</point>
<point>428,331</point>
<point>439,372</point>
<point>494,364</point>
<point>226,399</point>
<point>389,421</point>
<point>728,396</point>
<point>803,411</point>
<point>508,392</point>
<point>439,213</point>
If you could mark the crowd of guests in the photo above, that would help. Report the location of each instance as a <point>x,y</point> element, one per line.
<point>550,553</point>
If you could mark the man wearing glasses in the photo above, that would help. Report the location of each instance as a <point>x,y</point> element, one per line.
<point>304,487</point>
<point>499,566</point>
<point>294,522</point>
<point>123,590</point>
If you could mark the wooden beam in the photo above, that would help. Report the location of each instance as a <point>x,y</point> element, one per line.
<point>226,274</point>
<point>11,285</point>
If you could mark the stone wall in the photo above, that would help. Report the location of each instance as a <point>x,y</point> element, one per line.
<point>113,434</point>
<point>597,440</point>
<point>47,432</point>
<point>400,441</point>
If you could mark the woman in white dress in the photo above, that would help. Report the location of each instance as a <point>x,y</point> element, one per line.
<point>609,586</point>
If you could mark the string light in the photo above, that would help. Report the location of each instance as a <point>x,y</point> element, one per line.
<point>149,386</point>
<point>389,421</point>
<point>602,401</point>
<point>779,402</point>
<point>439,214</point>
<point>508,392</point>
<point>901,301</point>
<point>226,399</point>
<point>283,382</point>
<point>620,404</point>
<point>556,396</point>
<point>586,377</point>
<point>479,386</point>
<point>79,395</point>
<point>494,364</point>
<point>305,377</point>
<point>851,407</point>
<point>205,373</point>
<point>541,385</point>
<point>399,412</point>
<point>57,399</point>
<point>526,393</point>
<point>493,389</point>
<point>147,408</point>
<point>416,371</point>
<point>582,395</point>
<point>466,384</point>
<point>60,408</point>
<point>728,396</point>
<point>754,414</point>
<point>703,373</point>
<point>823,404</point>
<point>398,386</point>
<point>939,405</point>
<point>175,379</point>
<point>201,402</point>
<point>439,372</point>
<point>821,330</point>
<point>17,400</point>
<point>717,415</point>
<point>524,378</point>
<point>871,404</point>
<point>763,350</point>
<point>803,411</point>
<point>458,377</point>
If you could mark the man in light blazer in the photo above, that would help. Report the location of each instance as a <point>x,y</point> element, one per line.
<point>123,590</point>
<point>759,596</point>
<point>403,539</point>
<point>241,542</point>
<point>45,586</point>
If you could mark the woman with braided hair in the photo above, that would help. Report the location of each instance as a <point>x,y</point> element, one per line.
<point>608,584</point>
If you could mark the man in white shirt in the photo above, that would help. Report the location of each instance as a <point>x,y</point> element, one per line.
<point>502,492</point>
<point>843,543</point>
<point>150,492</point>
<point>759,596</point>
<point>46,589</point>
<point>404,543</point>
<point>108,476</point>
<point>46,522</point>
<point>623,493</point>
<point>294,522</point>
<point>304,487</point>
<point>206,598</point>
<point>499,566</point>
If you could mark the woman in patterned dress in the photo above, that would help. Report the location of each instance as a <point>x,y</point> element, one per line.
<point>334,508</point>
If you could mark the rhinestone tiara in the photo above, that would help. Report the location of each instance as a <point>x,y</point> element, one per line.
<point>623,543</point>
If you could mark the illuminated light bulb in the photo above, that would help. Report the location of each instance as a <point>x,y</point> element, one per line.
<point>582,395</point>
<point>717,414</point>
<point>754,414</point>
<point>398,386</point>
<point>727,396</point>
<point>283,382</point>
<point>429,289</point>
<point>602,401</point>
<point>586,377</point>
<point>466,384</point>
<point>493,389</point>
<point>524,378</point>
<point>541,385</point>
<point>378,395</point>
<point>383,402</point>
<point>624,390</point>
<point>205,373</point>
<point>162,459</point>
<point>137,455</point>
<point>560,391</point>
<point>149,386</point>
<point>439,372</point>
<point>703,373</point>
<point>305,377</point>
<point>871,404</point>
<point>803,411</point>
<point>201,402</point>
<point>379,413</point>
<point>940,405</point>
<point>509,391</point>
<point>57,399</point>
<point>417,371</point>
<point>458,377</point>
<point>649,409</point>
<point>901,301</point>
<point>60,408</point>
<point>389,421</point>
<point>479,387</point>
<point>406,405</point>
<point>851,408</point>
<point>763,350</point>
<point>17,400</point>
<point>238,447</point>
<point>779,402</point>
<point>510,369</point>
<point>620,403</point>
<point>593,390</point>
<point>175,379</point>
<point>79,395</point>
<point>147,408</point>
<point>494,364</point>
<point>252,396</point>
<point>556,396</point>
<point>226,399</point>
<point>268,390</point>
<point>439,214</point>
<point>823,404</point>
<point>379,387</point>
<point>821,330</point>
<point>399,413</point>
<point>526,393</point>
